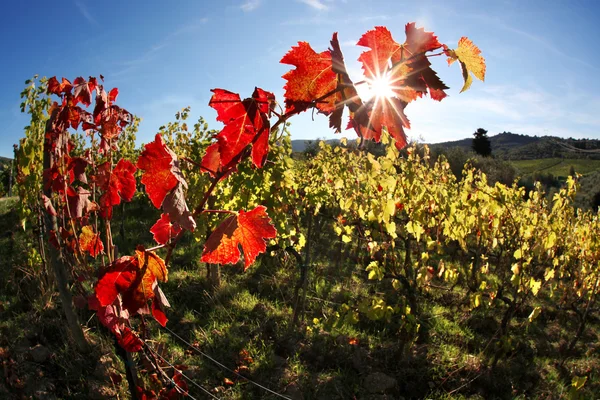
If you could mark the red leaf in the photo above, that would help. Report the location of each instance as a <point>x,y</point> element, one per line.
<point>248,229</point>
<point>211,163</point>
<point>116,184</point>
<point>58,88</point>
<point>383,50</point>
<point>159,314</point>
<point>163,230</point>
<point>79,202</point>
<point>83,91</point>
<point>246,123</point>
<point>161,172</point>
<point>380,113</point>
<point>312,79</point>
<point>404,66</point>
<point>118,278</point>
<point>90,241</point>
<point>347,94</point>
<point>130,341</point>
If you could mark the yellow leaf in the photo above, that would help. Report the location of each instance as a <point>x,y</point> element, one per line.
<point>470,59</point>
<point>534,314</point>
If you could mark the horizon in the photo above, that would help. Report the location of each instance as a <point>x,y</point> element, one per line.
<point>164,57</point>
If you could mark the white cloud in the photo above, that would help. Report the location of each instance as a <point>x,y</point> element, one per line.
<point>316,4</point>
<point>86,13</point>
<point>250,5</point>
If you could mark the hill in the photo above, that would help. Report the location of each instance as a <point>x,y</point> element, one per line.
<point>4,161</point>
<point>512,146</point>
<point>301,145</point>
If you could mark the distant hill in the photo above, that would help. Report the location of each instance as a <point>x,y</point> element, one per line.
<point>4,161</point>
<point>300,145</point>
<point>512,146</point>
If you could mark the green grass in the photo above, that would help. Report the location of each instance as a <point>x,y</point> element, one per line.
<point>556,166</point>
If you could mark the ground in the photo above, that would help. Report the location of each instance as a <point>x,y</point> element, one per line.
<point>245,326</point>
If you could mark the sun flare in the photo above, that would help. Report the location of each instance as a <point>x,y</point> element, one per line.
<point>381,87</point>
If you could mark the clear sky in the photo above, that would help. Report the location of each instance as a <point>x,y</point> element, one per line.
<point>542,66</point>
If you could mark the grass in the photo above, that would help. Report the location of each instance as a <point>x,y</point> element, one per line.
<point>559,167</point>
<point>245,324</point>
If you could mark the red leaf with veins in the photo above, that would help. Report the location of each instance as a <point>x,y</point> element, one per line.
<point>117,279</point>
<point>405,66</point>
<point>312,79</point>
<point>135,279</point>
<point>163,230</point>
<point>379,113</point>
<point>246,229</point>
<point>116,184</point>
<point>347,94</point>
<point>211,162</point>
<point>419,41</point>
<point>129,341</point>
<point>161,173</point>
<point>54,87</point>
<point>83,90</point>
<point>383,49</point>
<point>246,122</point>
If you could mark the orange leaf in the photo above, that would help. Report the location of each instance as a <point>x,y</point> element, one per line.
<point>248,229</point>
<point>90,241</point>
<point>313,78</point>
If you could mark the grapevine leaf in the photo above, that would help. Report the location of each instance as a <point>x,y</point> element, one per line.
<point>375,62</point>
<point>79,202</point>
<point>470,59</point>
<point>347,94</point>
<point>312,79</point>
<point>405,66</point>
<point>211,163</point>
<point>248,229</point>
<point>129,341</point>
<point>116,184</point>
<point>163,230</point>
<point>83,90</point>
<point>377,114</point>
<point>246,123</point>
<point>54,87</point>
<point>90,241</point>
<point>176,207</point>
<point>118,278</point>
<point>161,173</point>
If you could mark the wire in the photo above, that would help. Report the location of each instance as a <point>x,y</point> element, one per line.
<point>186,377</point>
<point>225,367</point>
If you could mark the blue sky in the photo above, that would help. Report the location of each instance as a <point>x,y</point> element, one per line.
<point>542,67</point>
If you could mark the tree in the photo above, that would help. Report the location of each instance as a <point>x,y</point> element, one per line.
<point>481,143</point>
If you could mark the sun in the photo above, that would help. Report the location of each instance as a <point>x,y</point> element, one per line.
<point>381,86</point>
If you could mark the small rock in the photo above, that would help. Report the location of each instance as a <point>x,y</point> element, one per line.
<point>39,353</point>
<point>378,382</point>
